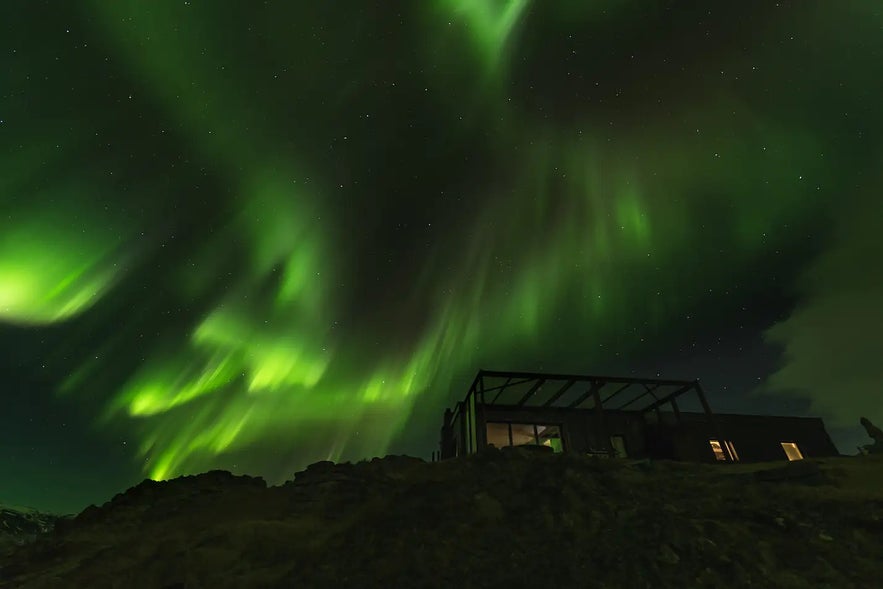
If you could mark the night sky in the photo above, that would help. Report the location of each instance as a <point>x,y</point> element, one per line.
<point>254,235</point>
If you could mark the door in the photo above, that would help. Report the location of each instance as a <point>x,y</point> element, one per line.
<point>618,443</point>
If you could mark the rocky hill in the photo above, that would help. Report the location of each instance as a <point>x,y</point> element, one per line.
<point>21,525</point>
<point>512,518</point>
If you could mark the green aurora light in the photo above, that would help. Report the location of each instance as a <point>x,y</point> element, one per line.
<point>570,230</point>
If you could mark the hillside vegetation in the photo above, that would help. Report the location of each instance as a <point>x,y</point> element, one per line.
<point>518,517</point>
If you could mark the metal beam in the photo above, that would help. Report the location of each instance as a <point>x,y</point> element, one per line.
<point>595,387</point>
<point>580,377</point>
<point>651,393</point>
<point>530,392</point>
<point>502,388</point>
<point>715,427</point>
<point>479,419</point>
<point>616,392</point>
<point>462,445</point>
<point>474,385</point>
<point>676,409</point>
<point>508,384</point>
<point>647,390</point>
<point>559,392</point>
<point>669,396</point>
<point>601,419</point>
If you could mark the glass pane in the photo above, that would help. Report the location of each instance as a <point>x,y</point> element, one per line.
<point>498,434</point>
<point>718,450</point>
<point>522,433</point>
<point>525,433</point>
<point>792,451</point>
<point>550,435</point>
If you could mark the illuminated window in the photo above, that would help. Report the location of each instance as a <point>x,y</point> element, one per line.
<point>722,451</point>
<point>523,434</point>
<point>498,435</point>
<point>733,454</point>
<point>792,451</point>
<point>520,434</point>
<point>554,443</point>
<point>717,449</point>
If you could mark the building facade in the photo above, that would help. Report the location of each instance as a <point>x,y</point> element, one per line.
<point>619,417</point>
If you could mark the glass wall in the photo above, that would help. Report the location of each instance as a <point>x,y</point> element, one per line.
<point>521,434</point>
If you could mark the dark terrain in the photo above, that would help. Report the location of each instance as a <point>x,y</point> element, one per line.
<point>20,525</point>
<point>512,518</point>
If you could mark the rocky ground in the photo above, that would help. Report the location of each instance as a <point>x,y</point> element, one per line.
<point>20,525</point>
<point>513,518</point>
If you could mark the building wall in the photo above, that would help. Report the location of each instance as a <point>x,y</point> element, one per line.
<point>582,430</point>
<point>755,437</point>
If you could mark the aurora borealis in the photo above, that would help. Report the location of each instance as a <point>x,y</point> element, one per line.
<point>252,236</point>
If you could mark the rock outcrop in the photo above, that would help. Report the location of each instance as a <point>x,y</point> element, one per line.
<point>20,525</point>
<point>876,434</point>
<point>501,518</point>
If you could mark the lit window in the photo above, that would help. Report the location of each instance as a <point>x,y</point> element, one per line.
<point>524,434</point>
<point>717,449</point>
<point>724,451</point>
<point>521,434</point>
<point>792,451</point>
<point>498,435</point>
<point>733,454</point>
<point>554,443</point>
<point>550,435</point>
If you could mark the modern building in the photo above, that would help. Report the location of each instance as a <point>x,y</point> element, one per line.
<point>620,417</point>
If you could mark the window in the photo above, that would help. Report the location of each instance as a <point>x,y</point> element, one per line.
<point>520,434</point>
<point>723,451</point>
<point>498,435</point>
<point>717,449</point>
<point>792,451</point>
<point>555,443</point>
<point>732,449</point>
<point>523,434</point>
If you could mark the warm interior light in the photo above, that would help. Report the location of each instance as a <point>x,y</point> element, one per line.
<point>733,454</point>
<point>498,434</point>
<point>519,434</point>
<point>792,451</point>
<point>718,450</point>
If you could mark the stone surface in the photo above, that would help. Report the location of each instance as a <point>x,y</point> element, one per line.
<point>20,525</point>
<point>875,433</point>
<point>502,518</point>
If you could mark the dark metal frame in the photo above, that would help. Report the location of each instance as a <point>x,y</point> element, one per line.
<point>465,418</point>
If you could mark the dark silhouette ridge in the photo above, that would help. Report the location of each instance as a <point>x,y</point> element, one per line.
<point>516,517</point>
<point>875,434</point>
